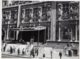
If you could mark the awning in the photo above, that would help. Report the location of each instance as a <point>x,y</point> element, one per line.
<point>30,28</point>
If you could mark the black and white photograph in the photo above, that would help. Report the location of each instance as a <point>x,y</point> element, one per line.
<point>40,29</point>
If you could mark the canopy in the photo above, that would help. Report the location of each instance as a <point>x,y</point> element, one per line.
<point>30,28</point>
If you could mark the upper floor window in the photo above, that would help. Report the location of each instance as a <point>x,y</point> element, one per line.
<point>67,10</point>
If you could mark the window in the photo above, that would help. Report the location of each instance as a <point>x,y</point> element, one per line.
<point>67,10</point>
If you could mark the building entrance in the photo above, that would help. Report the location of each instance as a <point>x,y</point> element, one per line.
<point>37,36</point>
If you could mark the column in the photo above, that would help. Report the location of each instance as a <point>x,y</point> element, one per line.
<point>53,22</point>
<point>59,34</point>
<point>8,17</point>
<point>7,32</point>
<point>32,12</point>
<point>5,35</point>
<point>76,34</point>
<point>79,24</point>
<point>23,16</point>
<point>71,35</point>
<point>40,14</point>
<point>38,38</point>
<point>45,36</point>
<point>14,35</point>
<point>18,21</point>
<point>48,33</point>
<point>24,13</point>
<point>31,20</point>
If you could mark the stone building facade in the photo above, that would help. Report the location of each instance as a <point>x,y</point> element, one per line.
<point>44,21</point>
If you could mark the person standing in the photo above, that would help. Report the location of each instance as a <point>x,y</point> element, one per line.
<point>43,55</point>
<point>10,50</point>
<point>37,52</point>
<point>18,51</point>
<point>32,53</point>
<point>51,54</point>
<point>31,40</point>
<point>23,51</point>
<point>4,47</point>
<point>60,55</point>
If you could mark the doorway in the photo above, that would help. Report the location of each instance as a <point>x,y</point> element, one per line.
<point>38,36</point>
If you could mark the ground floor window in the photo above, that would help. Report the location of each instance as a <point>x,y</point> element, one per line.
<point>66,31</point>
<point>12,34</point>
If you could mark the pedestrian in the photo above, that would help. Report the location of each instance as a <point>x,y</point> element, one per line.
<point>32,53</point>
<point>11,50</point>
<point>31,40</point>
<point>60,55</point>
<point>51,54</point>
<point>37,52</point>
<point>18,51</point>
<point>43,55</point>
<point>23,52</point>
<point>4,48</point>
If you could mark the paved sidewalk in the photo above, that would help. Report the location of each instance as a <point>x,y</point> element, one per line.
<point>15,55</point>
<point>42,50</point>
<point>55,56</point>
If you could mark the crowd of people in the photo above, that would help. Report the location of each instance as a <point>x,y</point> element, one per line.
<point>17,48</point>
<point>30,50</point>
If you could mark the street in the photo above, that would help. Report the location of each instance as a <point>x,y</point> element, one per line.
<point>11,57</point>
